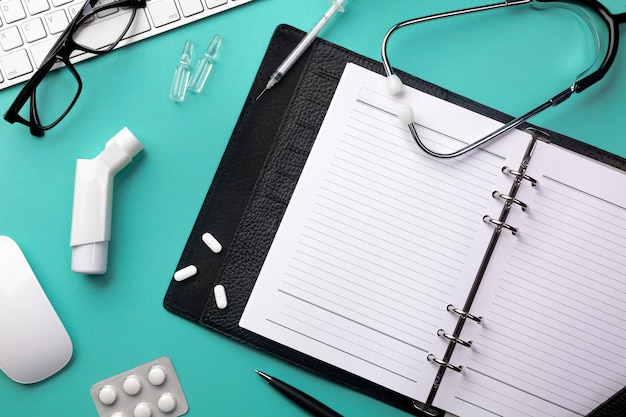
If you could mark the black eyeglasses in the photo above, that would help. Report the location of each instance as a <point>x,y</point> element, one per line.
<point>50,95</point>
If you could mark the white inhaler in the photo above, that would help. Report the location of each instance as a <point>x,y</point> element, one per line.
<point>93,195</point>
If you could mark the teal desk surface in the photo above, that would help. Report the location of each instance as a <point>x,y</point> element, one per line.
<point>509,59</point>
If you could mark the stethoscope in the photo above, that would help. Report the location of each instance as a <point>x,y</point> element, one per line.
<point>588,78</point>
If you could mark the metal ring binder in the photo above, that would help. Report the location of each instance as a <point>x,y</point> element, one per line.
<point>464,314</point>
<point>454,339</point>
<point>500,223</point>
<point>533,182</point>
<point>431,412</point>
<point>440,362</point>
<point>508,198</point>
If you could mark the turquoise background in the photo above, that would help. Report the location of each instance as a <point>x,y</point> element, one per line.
<point>508,59</point>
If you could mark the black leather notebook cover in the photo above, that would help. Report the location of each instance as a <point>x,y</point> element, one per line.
<point>255,180</point>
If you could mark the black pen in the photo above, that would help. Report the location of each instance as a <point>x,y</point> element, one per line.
<point>305,401</point>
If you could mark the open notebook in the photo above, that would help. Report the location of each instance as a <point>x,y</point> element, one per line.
<point>382,250</point>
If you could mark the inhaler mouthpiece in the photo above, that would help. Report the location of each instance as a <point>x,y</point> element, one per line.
<point>90,258</point>
<point>93,192</point>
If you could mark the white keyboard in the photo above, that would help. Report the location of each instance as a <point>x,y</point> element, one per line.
<point>28,28</point>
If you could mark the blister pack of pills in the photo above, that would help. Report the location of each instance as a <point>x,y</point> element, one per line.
<point>149,390</point>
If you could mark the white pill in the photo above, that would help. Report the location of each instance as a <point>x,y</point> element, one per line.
<point>220,296</point>
<point>107,395</point>
<point>131,385</point>
<point>156,375</point>
<point>167,402</point>
<point>142,410</point>
<point>186,272</point>
<point>212,243</point>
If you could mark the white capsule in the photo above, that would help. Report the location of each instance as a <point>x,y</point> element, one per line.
<point>220,296</point>
<point>186,272</point>
<point>212,243</point>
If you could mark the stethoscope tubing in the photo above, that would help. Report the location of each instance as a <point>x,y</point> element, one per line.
<point>612,22</point>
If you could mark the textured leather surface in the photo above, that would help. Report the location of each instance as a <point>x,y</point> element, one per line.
<point>234,180</point>
<point>253,185</point>
<point>613,407</point>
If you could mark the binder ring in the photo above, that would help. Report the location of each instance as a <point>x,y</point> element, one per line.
<point>439,362</point>
<point>501,224</point>
<point>508,198</point>
<point>426,410</point>
<point>454,339</point>
<point>464,314</point>
<point>533,182</point>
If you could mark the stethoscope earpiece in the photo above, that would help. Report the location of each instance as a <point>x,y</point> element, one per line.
<point>405,114</point>
<point>394,85</point>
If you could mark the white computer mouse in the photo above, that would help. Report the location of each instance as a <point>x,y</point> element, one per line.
<point>33,342</point>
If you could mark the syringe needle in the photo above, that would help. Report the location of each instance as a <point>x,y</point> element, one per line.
<point>259,96</point>
<point>337,5</point>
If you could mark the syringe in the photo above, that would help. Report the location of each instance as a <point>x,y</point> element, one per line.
<point>337,5</point>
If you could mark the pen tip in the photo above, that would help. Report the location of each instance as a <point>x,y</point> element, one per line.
<point>263,375</point>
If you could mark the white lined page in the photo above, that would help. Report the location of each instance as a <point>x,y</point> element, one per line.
<point>378,238</point>
<point>554,340</point>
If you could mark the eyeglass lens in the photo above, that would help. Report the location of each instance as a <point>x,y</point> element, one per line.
<point>59,89</point>
<point>88,36</point>
<point>54,95</point>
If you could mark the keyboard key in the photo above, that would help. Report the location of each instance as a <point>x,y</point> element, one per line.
<point>16,64</point>
<point>97,34</point>
<point>74,9</point>
<point>37,6</point>
<point>163,12</point>
<point>56,21</point>
<point>40,50</point>
<point>140,24</point>
<point>57,3</point>
<point>33,30</point>
<point>106,12</point>
<point>10,38</point>
<point>37,24</point>
<point>190,7</point>
<point>211,4</point>
<point>12,10</point>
